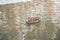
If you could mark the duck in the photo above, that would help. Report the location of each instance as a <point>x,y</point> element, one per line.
<point>33,20</point>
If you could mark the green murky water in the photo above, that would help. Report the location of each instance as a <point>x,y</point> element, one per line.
<point>13,23</point>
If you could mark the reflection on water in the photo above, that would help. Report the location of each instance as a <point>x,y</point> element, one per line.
<point>11,1</point>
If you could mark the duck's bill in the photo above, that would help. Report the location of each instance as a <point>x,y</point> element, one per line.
<point>2,2</point>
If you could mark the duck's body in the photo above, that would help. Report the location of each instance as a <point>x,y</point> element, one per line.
<point>33,20</point>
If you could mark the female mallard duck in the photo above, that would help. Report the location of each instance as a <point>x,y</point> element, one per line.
<point>33,20</point>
